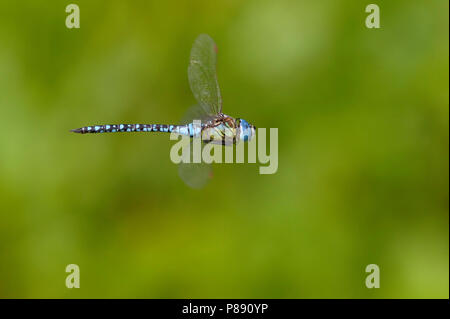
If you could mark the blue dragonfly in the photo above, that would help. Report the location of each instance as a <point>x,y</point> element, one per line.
<point>216,127</point>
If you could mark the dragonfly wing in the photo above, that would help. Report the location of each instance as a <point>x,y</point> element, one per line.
<point>195,175</point>
<point>202,74</point>
<point>196,112</point>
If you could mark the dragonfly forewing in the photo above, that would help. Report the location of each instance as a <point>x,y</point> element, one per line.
<point>202,74</point>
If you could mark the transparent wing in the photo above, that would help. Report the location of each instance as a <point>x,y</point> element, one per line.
<point>195,175</point>
<point>202,74</point>
<point>196,112</point>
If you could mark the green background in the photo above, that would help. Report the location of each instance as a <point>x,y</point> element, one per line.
<point>363,128</point>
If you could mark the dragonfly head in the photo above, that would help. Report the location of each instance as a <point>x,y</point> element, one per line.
<point>246,130</point>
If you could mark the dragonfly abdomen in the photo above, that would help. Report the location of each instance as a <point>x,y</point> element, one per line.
<point>116,128</point>
<point>188,129</point>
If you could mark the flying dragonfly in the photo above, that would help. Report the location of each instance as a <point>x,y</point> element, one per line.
<point>216,127</point>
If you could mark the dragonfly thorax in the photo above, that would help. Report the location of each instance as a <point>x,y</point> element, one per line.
<point>226,130</point>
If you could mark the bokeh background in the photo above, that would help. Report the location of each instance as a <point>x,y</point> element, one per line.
<point>363,151</point>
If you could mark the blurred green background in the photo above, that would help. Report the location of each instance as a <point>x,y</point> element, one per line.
<point>363,151</point>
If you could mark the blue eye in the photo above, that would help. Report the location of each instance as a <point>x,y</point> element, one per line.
<point>246,132</point>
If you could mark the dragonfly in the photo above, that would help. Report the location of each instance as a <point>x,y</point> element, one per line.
<point>216,127</point>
